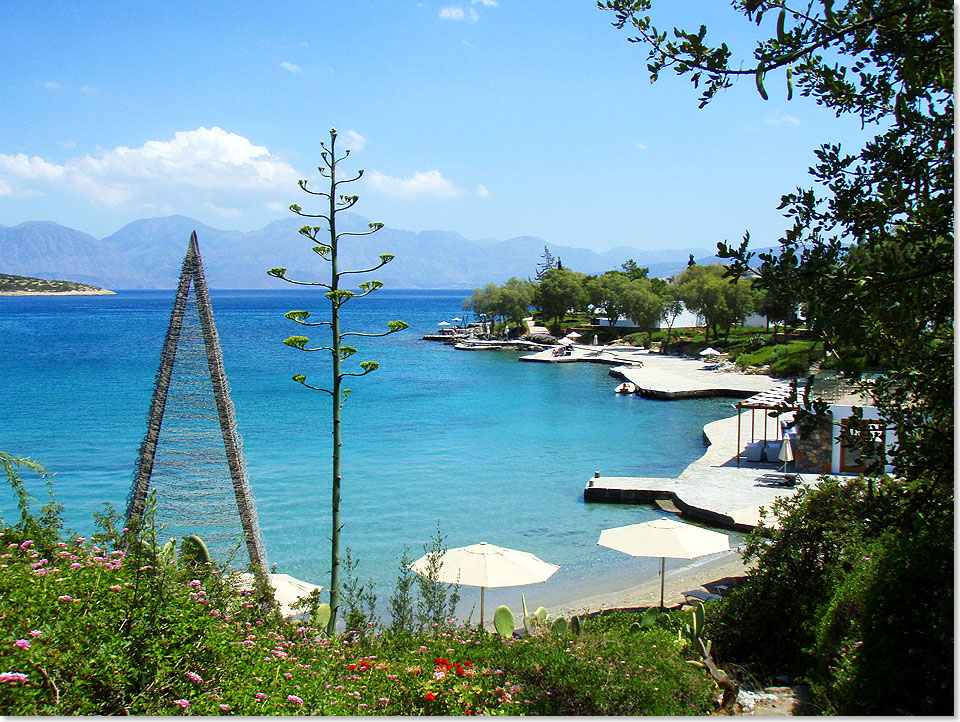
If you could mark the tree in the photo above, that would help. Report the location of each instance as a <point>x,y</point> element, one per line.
<point>869,254</point>
<point>560,291</point>
<point>706,291</point>
<point>643,304</point>
<point>633,271</point>
<point>672,306</point>
<point>609,293</point>
<point>328,250</point>
<point>514,300</point>
<point>869,257</point>
<point>548,262</point>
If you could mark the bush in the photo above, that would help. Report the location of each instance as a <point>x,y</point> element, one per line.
<point>854,592</point>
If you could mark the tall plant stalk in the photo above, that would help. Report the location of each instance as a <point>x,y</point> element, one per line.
<point>339,351</point>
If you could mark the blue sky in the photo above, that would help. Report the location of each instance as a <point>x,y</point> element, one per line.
<point>491,118</point>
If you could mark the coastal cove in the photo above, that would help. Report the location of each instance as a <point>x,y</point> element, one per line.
<point>491,449</point>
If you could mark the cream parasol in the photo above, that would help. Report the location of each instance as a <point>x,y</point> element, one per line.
<point>664,538</point>
<point>573,335</point>
<point>287,590</point>
<point>487,566</point>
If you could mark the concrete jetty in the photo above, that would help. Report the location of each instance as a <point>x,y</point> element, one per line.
<point>712,489</point>
<point>673,377</point>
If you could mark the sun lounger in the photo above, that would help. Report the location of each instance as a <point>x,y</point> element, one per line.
<point>700,595</point>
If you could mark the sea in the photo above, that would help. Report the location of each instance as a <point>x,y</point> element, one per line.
<point>474,444</point>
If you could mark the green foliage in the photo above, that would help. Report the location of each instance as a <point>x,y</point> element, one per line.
<point>194,551</point>
<point>401,600</point>
<point>562,290</point>
<point>855,591</point>
<point>359,600</point>
<point>720,301</point>
<point>503,621</point>
<point>437,601</point>
<point>328,250</point>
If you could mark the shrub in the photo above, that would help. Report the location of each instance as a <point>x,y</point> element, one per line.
<point>854,592</point>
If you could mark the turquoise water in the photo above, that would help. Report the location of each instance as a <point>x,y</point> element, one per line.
<point>492,449</point>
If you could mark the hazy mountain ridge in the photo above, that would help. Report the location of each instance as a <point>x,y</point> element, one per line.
<point>147,253</point>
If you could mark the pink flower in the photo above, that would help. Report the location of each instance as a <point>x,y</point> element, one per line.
<point>260,695</point>
<point>182,703</point>
<point>117,588</point>
<point>26,544</point>
<point>294,698</point>
<point>76,565</point>
<point>13,677</point>
<point>22,643</point>
<point>64,598</point>
<point>224,707</point>
<point>195,677</point>
<point>194,583</point>
<point>287,675</point>
<point>35,633</point>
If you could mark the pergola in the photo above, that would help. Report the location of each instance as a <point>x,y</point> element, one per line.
<point>766,400</point>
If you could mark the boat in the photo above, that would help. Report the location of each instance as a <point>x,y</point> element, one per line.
<point>626,388</point>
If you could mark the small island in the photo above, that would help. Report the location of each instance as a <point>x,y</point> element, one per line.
<point>11,285</point>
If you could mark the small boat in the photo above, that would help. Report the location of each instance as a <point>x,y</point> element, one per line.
<point>626,388</point>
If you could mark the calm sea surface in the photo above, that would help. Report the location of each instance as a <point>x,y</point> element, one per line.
<point>491,449</point>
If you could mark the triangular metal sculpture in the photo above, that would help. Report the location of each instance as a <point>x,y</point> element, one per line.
<point>187,460</point>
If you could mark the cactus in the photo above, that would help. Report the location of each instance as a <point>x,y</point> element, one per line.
<point>559,626</point>
<point>651,617</point>
<point>575,625</point>
<point>694,633</point>
<point>168,553</point>
<point>192,549</point>
<point>320,616</point>
<point>503,621</point>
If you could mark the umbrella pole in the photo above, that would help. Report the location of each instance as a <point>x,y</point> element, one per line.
<point>663,561</point>
<point>481,607</point>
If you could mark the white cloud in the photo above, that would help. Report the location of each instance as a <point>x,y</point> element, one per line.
<point>296,69</point>
<point>642,146</point>
<point>422,184</point>
<point>355,141</point>
<point>781,119</point>
<point>51,84</point>
<point>206,164</point>
<point>67,144</point>
<point>482,191</point>
<point>458,14</point>
<point>487,3</point>
<point>225,212</point>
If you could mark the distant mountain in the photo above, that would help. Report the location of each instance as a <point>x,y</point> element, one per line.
<point>147,254</point>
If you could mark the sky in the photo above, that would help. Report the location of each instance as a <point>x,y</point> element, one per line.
<point>492,118</point>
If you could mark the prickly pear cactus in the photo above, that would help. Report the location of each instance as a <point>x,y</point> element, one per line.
<point>575,625</point>
<point>560,626</point>
<point>192,549</point>
<point>503,621</point>
<point>321,616</point>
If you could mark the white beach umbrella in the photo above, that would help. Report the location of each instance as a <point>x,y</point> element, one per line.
<point>751,516</point>
<point>458,319</point>
<point>566,342</point>
<point>287,590</point>
<point>443,323</point>
<point>786,452</point>
<point>487,566</point>
<point>573,334</point>
<point>664,538</point>
<point>709,351</point>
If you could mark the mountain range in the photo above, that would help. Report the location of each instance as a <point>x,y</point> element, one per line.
<point>147,253</point>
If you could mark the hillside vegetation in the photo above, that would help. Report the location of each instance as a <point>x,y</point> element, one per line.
<point>11,285</point>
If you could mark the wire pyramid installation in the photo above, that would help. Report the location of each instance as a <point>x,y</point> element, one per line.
<point>192,455</point>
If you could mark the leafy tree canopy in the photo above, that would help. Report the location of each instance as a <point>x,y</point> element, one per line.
<point>869,254</point>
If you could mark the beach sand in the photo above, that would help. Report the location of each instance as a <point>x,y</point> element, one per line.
<point>646,593</point>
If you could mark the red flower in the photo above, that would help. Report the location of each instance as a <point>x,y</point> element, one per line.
<point>430,696</point>
<point>352,667</point>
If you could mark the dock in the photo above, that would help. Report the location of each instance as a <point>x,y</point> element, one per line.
<point>711,490</point>
<point>673,377</point>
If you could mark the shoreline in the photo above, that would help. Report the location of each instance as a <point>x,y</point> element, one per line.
<point>101,292</point>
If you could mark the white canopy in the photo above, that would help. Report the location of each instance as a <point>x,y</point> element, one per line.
<point>664,538</point>
<point>287,590</point>
<point>709,351</point>
<point>487,565</point>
